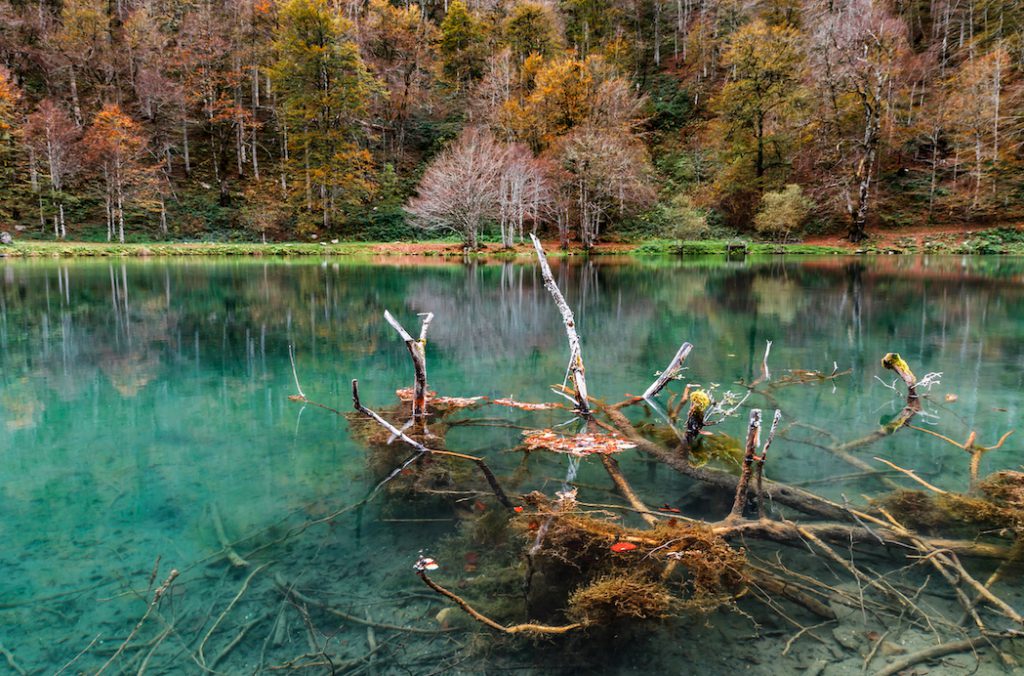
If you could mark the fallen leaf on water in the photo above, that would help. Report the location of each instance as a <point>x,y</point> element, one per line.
<point>524,406</point>
<point>579,444</point>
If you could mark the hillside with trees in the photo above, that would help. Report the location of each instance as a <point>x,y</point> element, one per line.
<point>582,119</point>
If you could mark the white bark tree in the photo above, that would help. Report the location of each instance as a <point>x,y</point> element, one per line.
<point>479,180</point>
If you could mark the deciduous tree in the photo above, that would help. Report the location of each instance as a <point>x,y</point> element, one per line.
<point>324,88</point>
<point>858,50</point>
<point>478,180</point>
<point>54,137</point>
<point>462,46</point>
<point>115,145</point>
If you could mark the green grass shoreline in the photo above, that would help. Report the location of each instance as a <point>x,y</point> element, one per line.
<point>440,248</point>
<point>987,242</point>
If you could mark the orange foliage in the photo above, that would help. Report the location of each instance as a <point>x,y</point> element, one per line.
<point>579,444</point>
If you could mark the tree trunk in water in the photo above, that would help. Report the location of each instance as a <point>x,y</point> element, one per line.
<point>418,352</point>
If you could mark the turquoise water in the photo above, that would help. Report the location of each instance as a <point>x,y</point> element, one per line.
<point>143,401</point>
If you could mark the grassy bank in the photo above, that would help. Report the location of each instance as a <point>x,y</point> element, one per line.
<point>40,249</point>
<point>36,249</point>
<point>1004,240</point>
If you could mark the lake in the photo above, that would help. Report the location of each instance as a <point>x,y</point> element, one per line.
<point>145,421</point>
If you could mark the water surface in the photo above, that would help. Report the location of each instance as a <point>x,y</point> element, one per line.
<point>143,401</point>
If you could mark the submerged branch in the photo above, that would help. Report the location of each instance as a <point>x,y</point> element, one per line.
<point>526,628</point>
<point>492,480</point>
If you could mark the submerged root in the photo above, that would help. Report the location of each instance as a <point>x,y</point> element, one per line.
<point>581,551</point>
<point>619,597</point>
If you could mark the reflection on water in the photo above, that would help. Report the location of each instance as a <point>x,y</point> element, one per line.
<point>140,399</point>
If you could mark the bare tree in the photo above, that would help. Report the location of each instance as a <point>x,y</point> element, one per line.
<point>858,51</point>
<point>607,172</point>
<point>478,180</point>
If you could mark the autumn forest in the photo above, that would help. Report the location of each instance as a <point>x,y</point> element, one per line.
<point>486,120</point>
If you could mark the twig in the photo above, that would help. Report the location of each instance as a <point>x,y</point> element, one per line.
<point>934,651</point>
<point>218,526</point>
<point>793,639</point>
<point>910,473</point>
<point>9,656</point>
<point>220,618</point>
<point>76,657</point>
<point>526,628</point>
<point>289,590</point>
<point>764,456</point>
<point>157,595</point>
<point>612,467</point>
<point>238,639</point>
<point>152,651</point>
<point>874,650</point>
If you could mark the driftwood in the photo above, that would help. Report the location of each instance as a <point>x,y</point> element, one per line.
<point>941,650</point>
<point>157,595</point>
<point>289,591</point>
<point>561,530</point>
<point>749,455</point>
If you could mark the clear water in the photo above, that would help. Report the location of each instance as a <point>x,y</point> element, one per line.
<point>141,400</point>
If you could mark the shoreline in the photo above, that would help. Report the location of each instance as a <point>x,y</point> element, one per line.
<point>452,249</point>
<point>440,249</point>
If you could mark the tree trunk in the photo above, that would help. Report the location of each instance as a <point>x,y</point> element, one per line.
<point>184,147</point>
<point>76,107</point>
<point>120,214</point>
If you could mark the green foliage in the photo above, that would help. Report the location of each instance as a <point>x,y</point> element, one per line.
<point>531,29</point>
<point>325,90</point>
<point>782,213</point>
<point>996,241</point>
<point>462,46</point>
<point>671,103</point>
<point>759,105</point>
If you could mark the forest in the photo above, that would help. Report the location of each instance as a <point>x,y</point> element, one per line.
<point>486,120</point>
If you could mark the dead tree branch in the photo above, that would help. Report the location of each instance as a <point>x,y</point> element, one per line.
<point>492,480</point>
<point>673,368</point>
<point>576,370</point>
<point>526,628</point>
<point>418,352</point>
